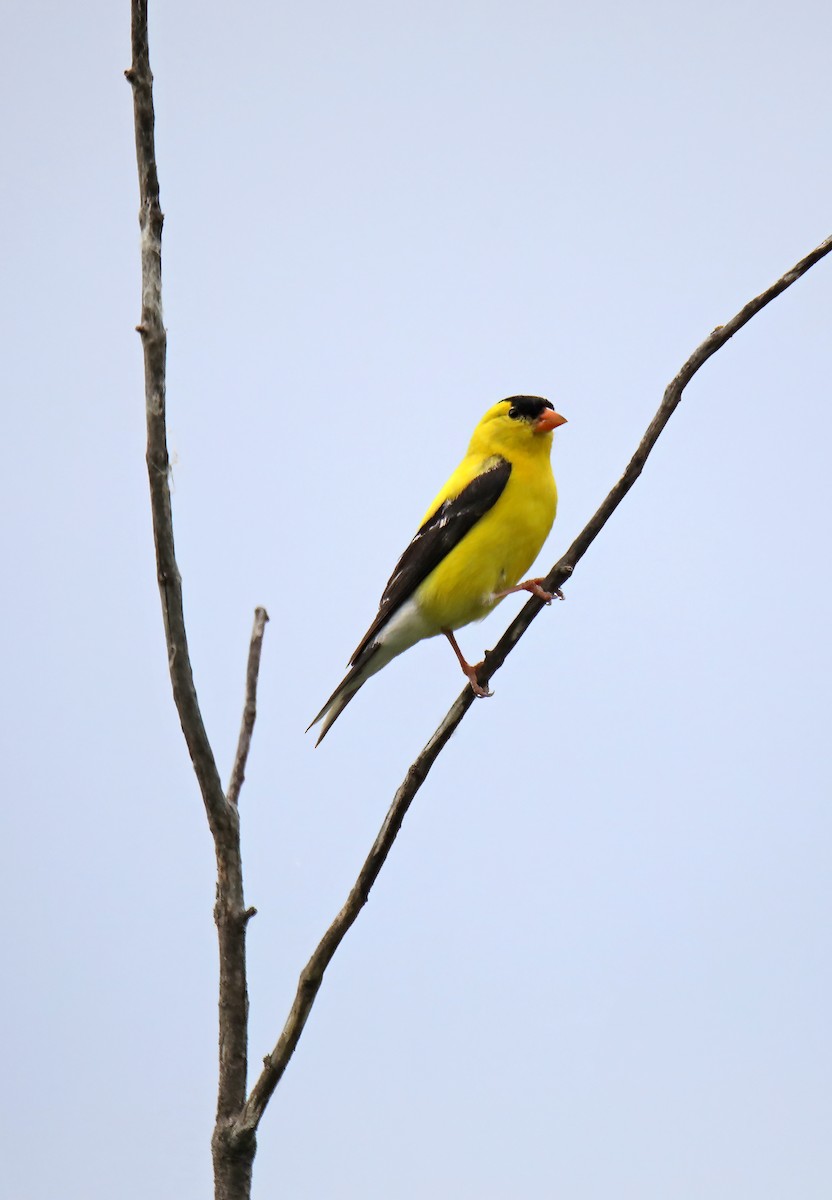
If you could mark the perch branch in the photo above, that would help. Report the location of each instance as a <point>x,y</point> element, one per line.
<point>311,976</point>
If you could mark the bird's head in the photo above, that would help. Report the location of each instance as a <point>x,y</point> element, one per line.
<point>517,422</point>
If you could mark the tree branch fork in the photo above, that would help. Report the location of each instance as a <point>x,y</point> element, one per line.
<point>240,1111</point>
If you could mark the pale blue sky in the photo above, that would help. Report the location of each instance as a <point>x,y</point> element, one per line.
<point>597,963</point>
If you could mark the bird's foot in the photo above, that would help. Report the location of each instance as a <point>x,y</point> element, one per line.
<point>535,586</point>
<point>469,671</point>
<point>476,686</point>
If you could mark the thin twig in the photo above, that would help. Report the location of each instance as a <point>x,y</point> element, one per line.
<point>312,974</point>
<point>238,771</point>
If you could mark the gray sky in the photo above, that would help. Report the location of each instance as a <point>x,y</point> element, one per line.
<point>598,961</point>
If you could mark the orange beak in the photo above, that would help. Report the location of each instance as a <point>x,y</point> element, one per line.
<point>548,420</point>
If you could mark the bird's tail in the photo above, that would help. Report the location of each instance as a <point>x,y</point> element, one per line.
<point>335,705</point>
<point>357,675</point>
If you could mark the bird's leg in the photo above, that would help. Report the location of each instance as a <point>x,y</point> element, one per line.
<point>469,671</point>
<point>535,586</point>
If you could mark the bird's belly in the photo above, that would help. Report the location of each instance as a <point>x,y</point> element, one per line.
<point>407,626</point>
<point>493,556</point>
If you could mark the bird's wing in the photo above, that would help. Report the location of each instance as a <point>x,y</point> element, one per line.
<point>440,532</point>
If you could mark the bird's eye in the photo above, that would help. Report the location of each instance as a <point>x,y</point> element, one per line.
<point>526,408</point>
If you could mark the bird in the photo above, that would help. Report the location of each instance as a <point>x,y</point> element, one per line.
<point>478,538</point>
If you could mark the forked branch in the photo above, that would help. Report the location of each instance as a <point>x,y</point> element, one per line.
<point>232,1162</point>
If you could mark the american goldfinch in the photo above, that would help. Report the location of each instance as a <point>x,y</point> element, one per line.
<point>478,538</point>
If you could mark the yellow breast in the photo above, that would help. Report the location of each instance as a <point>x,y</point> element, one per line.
<point>497,553</point>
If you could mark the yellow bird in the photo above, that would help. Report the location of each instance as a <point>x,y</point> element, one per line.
<point>478,538</point>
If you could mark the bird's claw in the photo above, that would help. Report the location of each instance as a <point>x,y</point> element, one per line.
<point>476,687</point>
<point>538,590</point>
<point>535,588</point>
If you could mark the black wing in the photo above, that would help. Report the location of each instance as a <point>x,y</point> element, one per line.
<point>443,530</point>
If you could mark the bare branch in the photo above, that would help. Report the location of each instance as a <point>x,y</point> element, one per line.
<point>233,1156</point>
<point>238,771</point>
<point>563,569</point>
<point>311,977</point>
<point>154,344</point>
